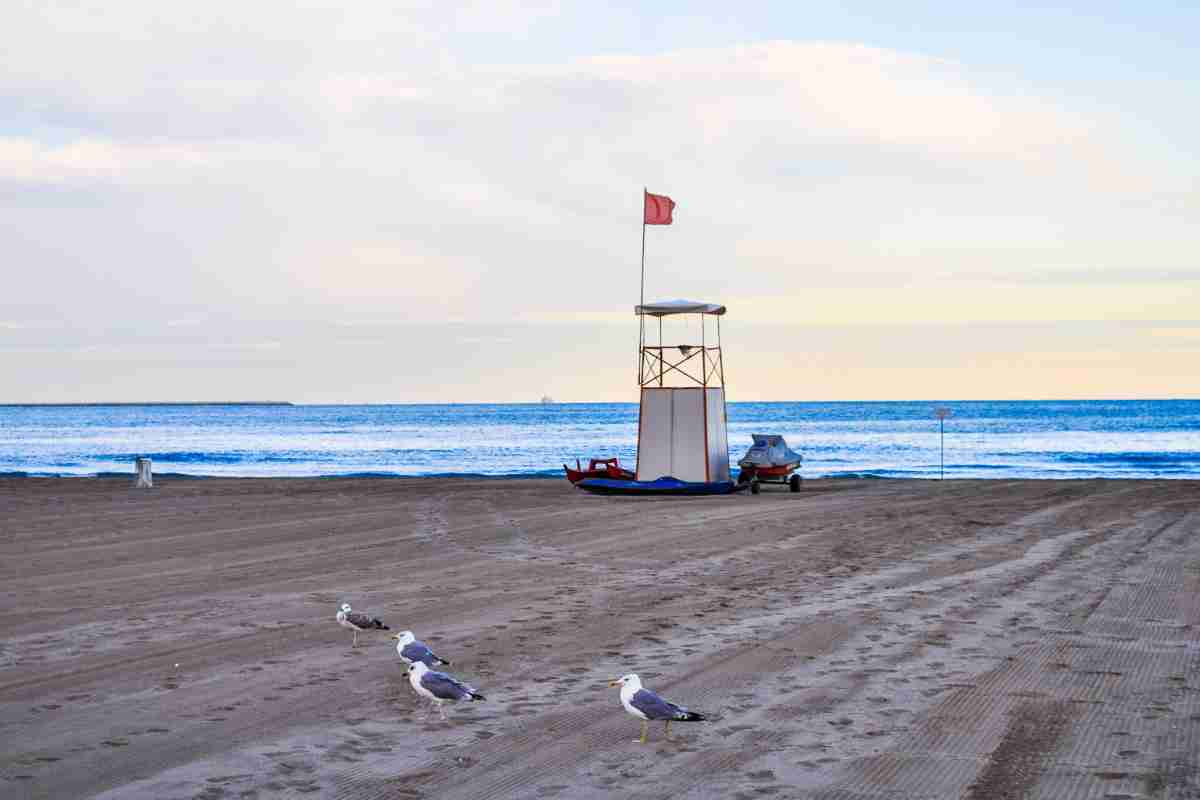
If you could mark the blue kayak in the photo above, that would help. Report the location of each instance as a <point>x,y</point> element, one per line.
<point>663,486</point>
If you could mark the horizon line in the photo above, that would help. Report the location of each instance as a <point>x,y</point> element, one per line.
<point>289,403</point>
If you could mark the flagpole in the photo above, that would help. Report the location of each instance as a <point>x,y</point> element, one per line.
<point>642,293</point>
<point>642,298</point>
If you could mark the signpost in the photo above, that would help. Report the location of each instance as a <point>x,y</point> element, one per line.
<point>941,412</point>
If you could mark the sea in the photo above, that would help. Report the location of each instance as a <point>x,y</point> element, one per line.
<point>981,439</point>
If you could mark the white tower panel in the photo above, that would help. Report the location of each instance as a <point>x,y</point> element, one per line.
<point>718,438</point>
<point>654,435</point>
<point>681,433</point>
<point>687,435</point>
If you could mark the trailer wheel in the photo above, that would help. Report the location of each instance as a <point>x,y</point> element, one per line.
<point>743,476</point>
<point>794,483</point>
<point>754,487</point>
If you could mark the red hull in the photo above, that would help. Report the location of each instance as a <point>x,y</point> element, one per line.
<point>598,468</point>
<point>775,471</point>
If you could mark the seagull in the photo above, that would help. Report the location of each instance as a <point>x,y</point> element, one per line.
<point>358,622</point>
<point>412,650</point>
<point>439,687</point>
<point>647,706</point>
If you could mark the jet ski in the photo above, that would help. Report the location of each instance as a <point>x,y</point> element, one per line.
<point>770,460</point>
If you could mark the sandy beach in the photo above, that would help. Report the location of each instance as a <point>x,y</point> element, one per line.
<point>860,639</point>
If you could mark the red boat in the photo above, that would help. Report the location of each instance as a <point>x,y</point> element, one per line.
<point>598,468</point>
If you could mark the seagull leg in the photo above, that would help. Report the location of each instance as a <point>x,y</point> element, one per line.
<point>645,727</point>
<point>668,730</point>
<point>442,712</point>
<point>355,644</point>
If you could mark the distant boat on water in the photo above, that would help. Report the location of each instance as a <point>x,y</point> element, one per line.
<point>547,399</point>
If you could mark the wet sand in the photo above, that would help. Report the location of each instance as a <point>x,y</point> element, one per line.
<point>860,639</point>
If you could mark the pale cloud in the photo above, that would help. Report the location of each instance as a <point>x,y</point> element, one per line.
<point>724,105</point>
<point>415,279</point>
<point>484,340</point>
<point>25,159</point>
<point>580,317</point>
<point>847,90</point>
<point>27,325</point>
<point>1190,333</point>
<point>929,303</point>
<point>258,347</point>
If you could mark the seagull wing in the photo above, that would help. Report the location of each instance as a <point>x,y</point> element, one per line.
<point>654,707</point>
<point>443,687</point>
<point>364,621</point>
<point>417,651</point>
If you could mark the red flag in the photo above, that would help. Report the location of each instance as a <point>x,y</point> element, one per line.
<point>658,209</point>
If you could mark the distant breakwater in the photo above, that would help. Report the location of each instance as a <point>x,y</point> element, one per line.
<point>165,403</point>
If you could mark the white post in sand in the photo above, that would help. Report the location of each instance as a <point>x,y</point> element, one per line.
<point>145,478</point>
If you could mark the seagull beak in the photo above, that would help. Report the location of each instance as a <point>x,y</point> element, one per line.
<point>614,683</point>
<point>394,636</point>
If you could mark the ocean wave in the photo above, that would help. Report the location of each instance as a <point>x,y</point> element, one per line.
<point>473,475</point>
<point>857,475</point>
<point>1140,458</point>
<point>101,474</point>
<point>958,466</point>
<point>314,457</point>
<point>328,476</point>
<point>157,475</point>
<point>182,457</point>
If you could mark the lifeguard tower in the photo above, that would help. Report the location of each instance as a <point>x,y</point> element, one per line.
<point>681,421</point>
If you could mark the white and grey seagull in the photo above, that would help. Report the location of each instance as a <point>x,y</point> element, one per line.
<point>356,622</point>
<point>647,706</point>
<point>412,650</point>
<point>440,687</point>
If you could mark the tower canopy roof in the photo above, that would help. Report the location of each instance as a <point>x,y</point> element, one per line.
<point>665,308</point>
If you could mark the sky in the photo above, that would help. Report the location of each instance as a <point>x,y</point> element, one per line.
<point>439,202</point>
